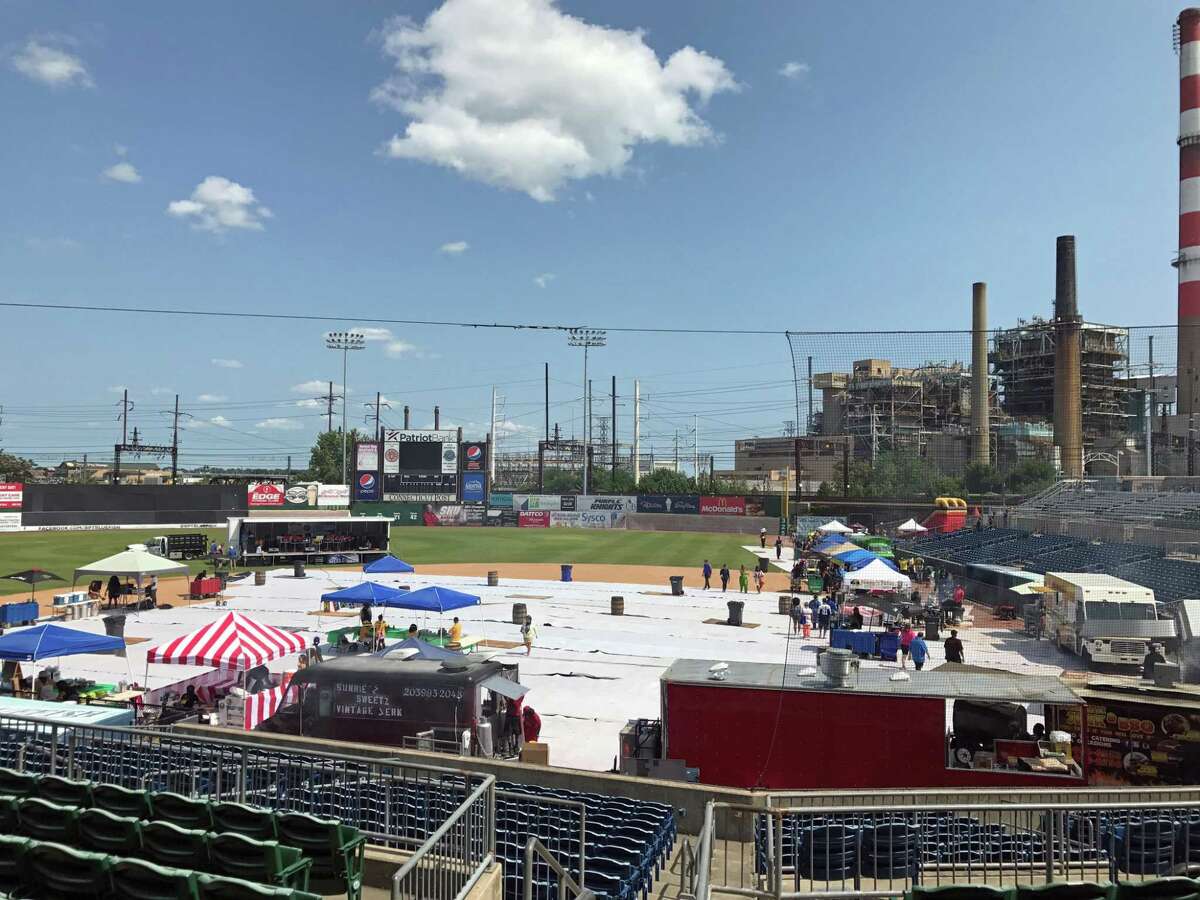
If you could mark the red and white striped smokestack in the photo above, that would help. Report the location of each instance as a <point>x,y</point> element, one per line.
<point>1188,260</point>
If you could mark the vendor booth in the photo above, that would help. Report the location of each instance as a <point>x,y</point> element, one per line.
<point>387,565</point>
<point>49,641</point>
<point>367,592</point>
<point>134,562</point>
<point>878,575</point>
<point>835,527</point>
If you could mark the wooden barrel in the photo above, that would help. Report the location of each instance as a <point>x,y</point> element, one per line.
<point>493,578</point>
<point>785,604</point>
<point>519,613</point>
<point>260,578</point>
<point>618,606</point>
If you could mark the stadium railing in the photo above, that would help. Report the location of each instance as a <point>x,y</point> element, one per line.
<point>535,849</point>
<point>881,849</point>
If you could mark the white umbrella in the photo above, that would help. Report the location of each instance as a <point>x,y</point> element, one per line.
<point>878,576</point>
<point>134,561</point>
<point>911,527</point>
<point>833,526</point>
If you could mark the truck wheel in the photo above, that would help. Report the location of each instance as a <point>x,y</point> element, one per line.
<point>1086,656</point>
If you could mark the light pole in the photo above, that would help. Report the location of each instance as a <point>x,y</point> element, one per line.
<point>585,338</point>
<point>344,341</point>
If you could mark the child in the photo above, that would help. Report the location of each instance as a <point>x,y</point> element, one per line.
<point>528,633</point>
<point>743,579</point>
<point>758,579</point>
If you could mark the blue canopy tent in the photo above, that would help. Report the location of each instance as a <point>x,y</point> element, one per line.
<point>367,592</point>
<point>431,599</point>
<point>42,641</point>
<point>424,650</point>
<point>387,564</point>
<point>856,559</point>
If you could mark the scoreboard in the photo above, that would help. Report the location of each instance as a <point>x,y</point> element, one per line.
<point>420,465</point>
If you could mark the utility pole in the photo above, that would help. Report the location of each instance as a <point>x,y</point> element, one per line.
<point>329,422</point>
<point>676,449</point>
<point>289,466</point>
<point>377,399</point>
<point>637,433</point>
<point>547,401</point>
<point>809,414</point>
<point>614,426</point>
<point>125,407</point>
<point>696,447</point>
<point>586,338</point>
<point>175,445</point>
<point>492,439</point>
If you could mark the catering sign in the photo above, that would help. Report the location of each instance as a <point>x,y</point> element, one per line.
<point>265,493</point>
<point>11,494</point>
<point>722,506</point>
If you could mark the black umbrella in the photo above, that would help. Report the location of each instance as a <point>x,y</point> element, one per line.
<point>32,577</point>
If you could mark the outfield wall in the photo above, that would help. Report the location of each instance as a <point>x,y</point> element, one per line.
<point>127,504</point>
<point>701,524</point>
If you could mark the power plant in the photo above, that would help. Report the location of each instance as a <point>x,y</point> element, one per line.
<point>1188,259</point>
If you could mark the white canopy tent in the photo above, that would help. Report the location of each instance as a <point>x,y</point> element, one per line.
<point>912,526</point>
<point>835,527</point>
<point>878,576</point>
<point>135,561</point>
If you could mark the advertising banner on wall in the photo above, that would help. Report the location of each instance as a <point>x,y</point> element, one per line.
<point>366,486</point>
<point>529,502</point>
<point>564,520</point>
<point>722,506</point>
<point>367,457</point>
<point>333,495</point>
<point>500,500</point>
<point>668,503</point>
<point>420,465</point>
<point>502,517</point>
<point>474,487</point>
<point>610,504</point>
<point>600,519</point>
<point>534,519</point>
<point>261,494</point>
<point>474,456</point>
<point>1137,743</point>
<point>12,494</point>
<point>456,514</point>
<point>10,521</point>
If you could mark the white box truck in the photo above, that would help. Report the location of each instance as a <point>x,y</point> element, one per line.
<point>1104,619</point>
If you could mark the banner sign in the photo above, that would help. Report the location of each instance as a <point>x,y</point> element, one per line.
<point>333,495</point>
<point>368,457</point>
<point>500,500</point>
<point>605,519</point>
<point>453,514</point>
<point>420,465</point>
<point>548,502</point>
<point>12,494</point>
<point>474,487</point>
<point>668,503</point>
<point>564,519</point>
<point>722,506</point>
<point>609,504</point>
<point>535,519</point>
<point>10,521</point>
<point>502,517</point>
<point>265,493</point>
<point>474,456</point>
<point>366,486</point>
<point>1136,743</point>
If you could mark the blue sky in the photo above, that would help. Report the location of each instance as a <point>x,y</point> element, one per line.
<point>907,151</point>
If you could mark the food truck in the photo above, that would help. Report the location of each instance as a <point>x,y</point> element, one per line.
<point>847,727</point>
<point>1104,619</point>
<point>457,705</point>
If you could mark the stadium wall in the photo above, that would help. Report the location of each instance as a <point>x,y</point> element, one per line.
<point>701,524</point>
<point>1113,532</point>
<point>109,504</point>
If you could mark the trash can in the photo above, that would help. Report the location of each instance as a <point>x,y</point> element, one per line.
<point>676,585</point>
<point>298,569</point>
<point>735,612</point>
<point>566,573</point>
<point>785,605</point>
<point>519,613</point>
<point>617,607</point>
<point>932,622</point>
<point>260,578</point>
<point>764,565</point>
<point>493,578</point>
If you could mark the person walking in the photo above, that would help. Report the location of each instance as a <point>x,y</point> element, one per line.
<point>762,538</point>
<point>907,635</point>
<point>779,547</point>
<point>380,632</point>
<point>758,579</point>
<point>528,634</point>
<point>920,651</point>
<point>953,647</point>
<point>707,570</point>
<point>114,590</point>
<point>797,615</point>
<point>724,576</point>
<point>743,579</point>
<point>823,614</point>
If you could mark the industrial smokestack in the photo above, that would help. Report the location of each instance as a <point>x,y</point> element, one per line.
<point>980,448</point>
<point>1068,407</point>
<point>406,418</point>
<point>1188,259</point>
<point>437,418</point>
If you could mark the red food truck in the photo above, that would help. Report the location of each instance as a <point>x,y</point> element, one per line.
<point>754,725</point>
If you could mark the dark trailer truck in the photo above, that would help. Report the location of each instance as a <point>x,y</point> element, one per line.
<point>455,706</point>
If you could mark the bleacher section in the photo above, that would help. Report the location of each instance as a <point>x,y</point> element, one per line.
<point>180,782</point>
<point>1170,579</point>
<point>1103,500</point>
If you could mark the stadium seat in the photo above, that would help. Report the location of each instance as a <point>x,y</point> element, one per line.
<point>45,821</point>
<point>121,801</point>
<point>957,892</point>
<point>179,848</point>
<point>136,879</point>
<point>264,862</point>
<point>102,832</point>
<point>17,784</point>
<point>63,791</point>
<point>8,815</point>
<point>12,853</point>
<point>337,850</point>
<point>1155,889</point>
<point>250,821</point>
<point>61,872</point>
<point>1064,890</point>
<point>214,887</point>
<point>177,809</point>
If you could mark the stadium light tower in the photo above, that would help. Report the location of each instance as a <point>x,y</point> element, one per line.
<point>344,341</point>
<point>586,338</point>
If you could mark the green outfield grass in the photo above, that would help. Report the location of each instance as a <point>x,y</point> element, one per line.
<point>61,551</point>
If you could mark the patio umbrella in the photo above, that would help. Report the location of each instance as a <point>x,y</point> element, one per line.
<point>32,577</point>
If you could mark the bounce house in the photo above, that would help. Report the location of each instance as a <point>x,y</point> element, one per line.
<point>949,514</point>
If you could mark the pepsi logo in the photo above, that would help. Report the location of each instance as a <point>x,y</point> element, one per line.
<point>474,453</point>
<point>366,481</point>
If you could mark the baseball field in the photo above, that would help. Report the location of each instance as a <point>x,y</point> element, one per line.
<point>61,551</point>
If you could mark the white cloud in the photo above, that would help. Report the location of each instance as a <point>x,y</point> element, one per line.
<point>279,425</point>
<point>315,387</point>
<point>522,96</point>
<point>218,204</point>
<point>124,172</point>
<point>544,279</point>
<point>400,348</point>
<point>310,403</point>
<point>510,427</point>
<point>794,69</point>
<point>220,421</point>
<point>226,363</point>
<point>159,391</point>
<point>51,65</point>
<point>374,334</point>
<point>454,248</point>
<point>211,398</point>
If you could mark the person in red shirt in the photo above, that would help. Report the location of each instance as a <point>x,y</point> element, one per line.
<point>532,724</point>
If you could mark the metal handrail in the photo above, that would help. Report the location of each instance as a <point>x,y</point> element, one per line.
<point>701,886</point>
<point>565,881</point>
<point>488,789</point>
<point>558,801</point>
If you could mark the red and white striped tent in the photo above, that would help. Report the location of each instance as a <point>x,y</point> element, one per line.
<point>234,641</point>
